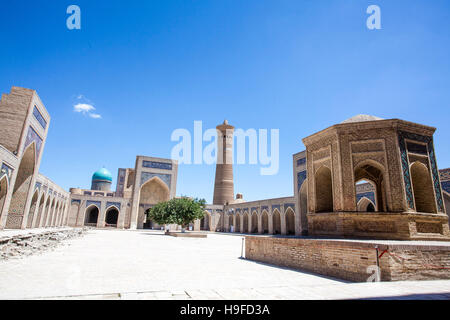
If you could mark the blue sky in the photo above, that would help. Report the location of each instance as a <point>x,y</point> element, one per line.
<point>150,67</point>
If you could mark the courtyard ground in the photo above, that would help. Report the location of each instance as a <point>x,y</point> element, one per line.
<point>113,264</point>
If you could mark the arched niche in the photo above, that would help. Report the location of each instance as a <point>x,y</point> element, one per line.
<point>276,218</point>
<point>205,222</point>
<point>373,173</point>
<point>265,222</point>
<point>324,190</point>
<point>366,205</point>
<point>290,221</point>
<point>91,216</point>
<point>303,206</point>
<point>112,216</point>
<point>245,223</point>
<point>32,210</point>
<point>422,185</point>
<point>254,228</point>
<point>238,223</point>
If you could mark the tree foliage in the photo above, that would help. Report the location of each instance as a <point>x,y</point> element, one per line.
<point>181,211</point>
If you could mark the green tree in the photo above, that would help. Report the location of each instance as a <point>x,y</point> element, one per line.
<point>181,211</point>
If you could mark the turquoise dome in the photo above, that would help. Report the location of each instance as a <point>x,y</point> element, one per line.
<point>102,174</point>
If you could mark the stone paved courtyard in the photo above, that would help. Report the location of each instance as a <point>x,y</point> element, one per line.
<point>111,264</point>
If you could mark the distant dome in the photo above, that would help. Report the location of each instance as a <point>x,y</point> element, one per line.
<point>102,174</point>
<point>362,118</point>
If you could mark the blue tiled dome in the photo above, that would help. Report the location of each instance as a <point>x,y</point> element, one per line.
<point>103,175</point>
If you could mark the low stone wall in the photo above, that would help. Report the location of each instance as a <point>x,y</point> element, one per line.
<point>31,243</point>
<point>350,260</point>
<point>380,225</point>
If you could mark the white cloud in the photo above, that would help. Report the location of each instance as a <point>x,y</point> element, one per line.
<point>95,116</point>
<point>86,108</point>
<point>83,107</point>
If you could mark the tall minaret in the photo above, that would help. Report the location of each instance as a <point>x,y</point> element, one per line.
<point>224,184</point>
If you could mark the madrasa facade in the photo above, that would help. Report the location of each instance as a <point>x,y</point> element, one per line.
<point>366,177</point>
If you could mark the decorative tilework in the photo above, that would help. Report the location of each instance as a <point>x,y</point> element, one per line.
<point>265,208</point>
<point>50,192</point>
<point>157,165</point>
<point>110,204</point>
<point>445,174</point>
<point>87,193</point>
<point>435,173</point>
<point>146,176</point>
<point>39,117</point>
<point>446,186</point>
<point>32,136</point>
<point>289,205</point>
<point>254,209</point>
<point>276,206</point>
<point>301,177</point>
<point>368,195</point>
<point>405,170</point>
<point>405,165</point>
<point>97,203</point>
<point>38,185</point>
<point>301,161</point>
<point>6,170</point>
<point>75,201</point>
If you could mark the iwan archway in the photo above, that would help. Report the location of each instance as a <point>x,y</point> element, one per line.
<point>152,192</point>
<point>22,185</point>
